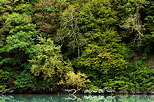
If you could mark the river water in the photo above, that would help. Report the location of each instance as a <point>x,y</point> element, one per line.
<point>75,98</point>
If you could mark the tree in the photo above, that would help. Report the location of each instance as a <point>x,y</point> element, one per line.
<point>6,8</point>
<point>107,60</point>
<point>46,16</point>
<point>49,64</point>
<point>69,33</point>
<point>75,81</point>
<point>20,35</point>
<point>48,61</point>
<point>103,55</point>
<point>149,30</point>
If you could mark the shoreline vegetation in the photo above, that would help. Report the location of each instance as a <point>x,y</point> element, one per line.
<point>73,91</point>
<point>77,46</point>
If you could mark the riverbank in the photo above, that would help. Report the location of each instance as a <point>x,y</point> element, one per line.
<point>73,91</point>
<point>75,98</point>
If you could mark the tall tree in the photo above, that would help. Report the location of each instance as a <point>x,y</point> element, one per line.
<point>69,33</point>
<point>103,55</point>
<point>20,35</point>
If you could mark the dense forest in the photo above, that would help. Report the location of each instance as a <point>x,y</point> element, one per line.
<point>77,44</point>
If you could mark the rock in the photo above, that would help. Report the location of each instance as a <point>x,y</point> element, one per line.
<point>101,91</point>
<point>151,92</point>
<point>109,90</point>
<point>94,91</point>
<point>122,92</point>
<point>4,91</point>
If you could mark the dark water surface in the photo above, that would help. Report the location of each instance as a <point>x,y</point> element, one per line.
<point>75,98</point>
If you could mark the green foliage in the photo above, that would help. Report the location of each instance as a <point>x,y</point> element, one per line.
<point>135,25</point>
<point>18,48</point>
<point>6,60</point>
<point>46,16</point>
<point>4,76</point>
<point>77,81</point>
<point>137,78</point>
<point>115,84</point>
<point>17,19</point>
<point>148,22</point>
<point>69,35</point>
<point>94,36</point>
<point>48,61</point>
<point>24,8</point>
<point>26,27</point>
<point>97,15</point>
<point>21,41</point>
<point>25,80</point>
<point>7,76</point>
<point>105,57</point>
<point>5,8</point>
<point>141,77</point>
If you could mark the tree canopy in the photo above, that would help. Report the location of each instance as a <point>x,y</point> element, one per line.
<point>57,44</point>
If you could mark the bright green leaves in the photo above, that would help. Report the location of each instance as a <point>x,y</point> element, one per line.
<point>104,55</point>
<point>24,8</point>
<point>138,77</point>
<point>22,35</point>
<point>76,81</point>
<point>19,34</point>
<point>102,59</point>
<point>49,64</point>
<point>21,40</point>
<point>47,60</point>
<point>17,19</point>
<point>95,35</point>
<point>25,28</point>
<point>116,84</point>
<point>97,15</point>
<point>6,60</point>
<point>5,6</point>
<point>25,80</point>
<point>4,76</point>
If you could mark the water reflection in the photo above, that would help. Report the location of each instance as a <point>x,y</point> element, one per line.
<point>76,98</point>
